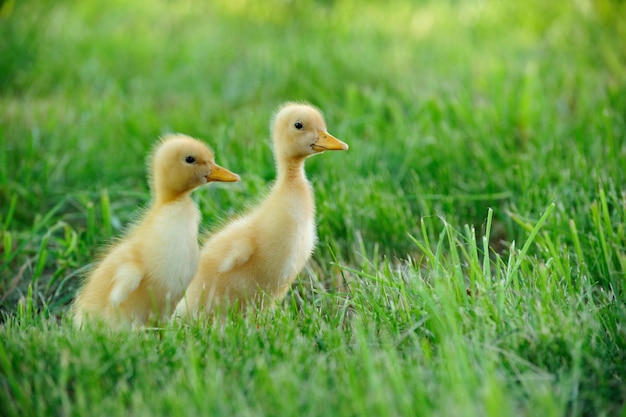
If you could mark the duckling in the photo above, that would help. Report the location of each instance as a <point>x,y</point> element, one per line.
<point>255,258</point>
<point>142,276</point>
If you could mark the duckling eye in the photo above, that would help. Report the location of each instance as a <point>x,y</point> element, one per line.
<point>298,125</point>
<point>190,159</point>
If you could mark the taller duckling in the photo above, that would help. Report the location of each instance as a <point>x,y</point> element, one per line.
<point>144,275</point>
<point>256,258</point>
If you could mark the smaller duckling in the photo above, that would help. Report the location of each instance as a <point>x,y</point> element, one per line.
<point>256,258</point>
<point>142,276</point>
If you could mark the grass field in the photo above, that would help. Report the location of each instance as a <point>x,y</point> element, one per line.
<point>472,240</point>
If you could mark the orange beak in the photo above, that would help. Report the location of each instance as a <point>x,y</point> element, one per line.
<point>221,174</point>
<point>327,142</point>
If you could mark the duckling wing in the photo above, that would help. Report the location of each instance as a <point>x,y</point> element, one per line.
<point>240,250</point>
<point>127,278</point>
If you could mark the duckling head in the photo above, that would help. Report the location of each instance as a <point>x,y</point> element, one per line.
<point>299,131</point>
<point>180,163</point>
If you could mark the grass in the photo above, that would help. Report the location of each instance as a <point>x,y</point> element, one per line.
<point>472,241</point>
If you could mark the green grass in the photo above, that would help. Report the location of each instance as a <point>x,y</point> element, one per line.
<point>472,240</point>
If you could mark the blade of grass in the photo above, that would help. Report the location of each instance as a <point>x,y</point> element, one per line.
<point>512,271</point>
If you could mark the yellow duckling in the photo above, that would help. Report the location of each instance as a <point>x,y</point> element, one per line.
<point>144,275</point>
<point>255,258</point>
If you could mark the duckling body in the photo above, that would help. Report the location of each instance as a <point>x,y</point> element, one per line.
<point>256,258</point>
<point>144,274</point>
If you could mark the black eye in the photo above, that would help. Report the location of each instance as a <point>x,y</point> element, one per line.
<point>298,125</point>
<point>190,159</point>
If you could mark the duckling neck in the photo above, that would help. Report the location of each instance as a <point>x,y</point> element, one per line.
<point>169,196</point>
<point>290,170</point>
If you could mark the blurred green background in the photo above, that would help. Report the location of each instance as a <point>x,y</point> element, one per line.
<point>449,107</point>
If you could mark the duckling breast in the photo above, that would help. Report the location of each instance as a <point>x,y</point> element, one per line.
<point>172,251</point>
